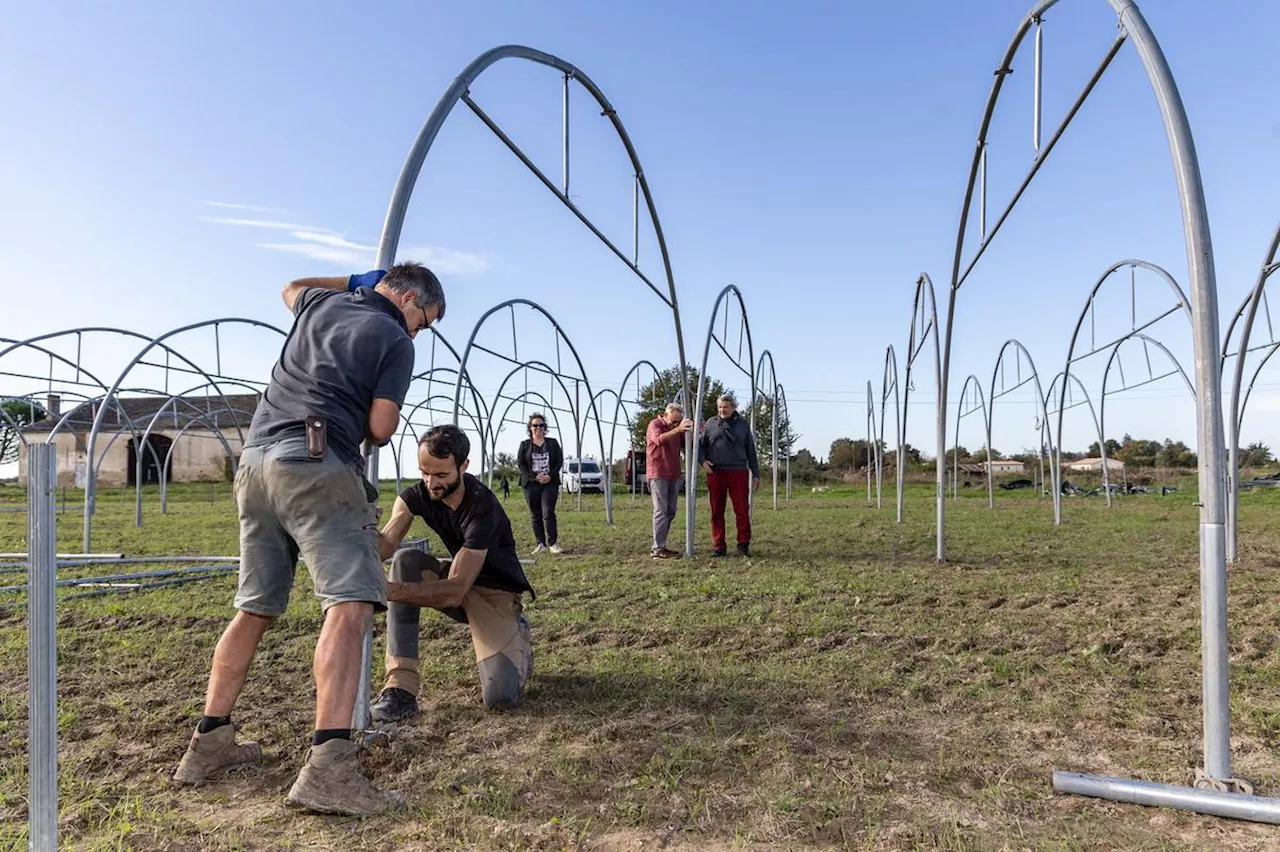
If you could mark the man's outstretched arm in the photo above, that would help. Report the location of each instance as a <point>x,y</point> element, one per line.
<point>442,594</point>
<point>394,530</point>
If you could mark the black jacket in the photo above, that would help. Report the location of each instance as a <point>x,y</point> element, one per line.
<point>729,445</point>
<point>524,460</point>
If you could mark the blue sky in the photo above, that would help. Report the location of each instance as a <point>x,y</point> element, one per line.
<point>170,163</point>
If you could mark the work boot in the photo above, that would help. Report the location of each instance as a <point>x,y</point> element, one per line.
<point>331,783</point>
<point>744,548</point>
<point>717,553</point>
<point>211,754</point>
<point>394,705</point>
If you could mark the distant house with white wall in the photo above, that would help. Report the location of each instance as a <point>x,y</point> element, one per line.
<point>1094,465</point>
<point>999,467</point>
<point>187,433</point>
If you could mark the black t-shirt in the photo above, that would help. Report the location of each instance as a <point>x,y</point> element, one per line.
<point>344,351</point>
<point>479,523</point>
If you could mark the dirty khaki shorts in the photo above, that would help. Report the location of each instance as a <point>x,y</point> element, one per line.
<point>292,504</point>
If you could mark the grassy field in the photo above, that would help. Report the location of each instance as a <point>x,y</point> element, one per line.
<point>838,690</point>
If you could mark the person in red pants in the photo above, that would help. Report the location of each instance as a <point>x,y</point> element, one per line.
<point>728,452</point>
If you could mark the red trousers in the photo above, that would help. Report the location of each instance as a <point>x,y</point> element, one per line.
<point>734,483</point>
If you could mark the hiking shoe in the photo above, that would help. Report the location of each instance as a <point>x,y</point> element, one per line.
<point>555,548</point>
<point>331,783</point>
<point>211,754</point>
<point>539,549</point>
<point>717,553</point>
<point>666,553</point>
<point>394,705</point>
<point>744,548</point>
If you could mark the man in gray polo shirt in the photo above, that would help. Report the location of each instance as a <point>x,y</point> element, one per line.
<point>342,377</point>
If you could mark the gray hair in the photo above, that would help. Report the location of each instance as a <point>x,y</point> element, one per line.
<point>675,406</point>
<point>410,277</point>
<point>728,397</point>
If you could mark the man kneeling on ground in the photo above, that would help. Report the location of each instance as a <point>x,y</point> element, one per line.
<point>481,585</point>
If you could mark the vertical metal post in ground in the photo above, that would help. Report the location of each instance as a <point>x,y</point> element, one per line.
<point>360,712</point>
<point>42,652</point>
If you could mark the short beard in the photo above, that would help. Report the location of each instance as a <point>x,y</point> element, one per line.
<point>452,488</point>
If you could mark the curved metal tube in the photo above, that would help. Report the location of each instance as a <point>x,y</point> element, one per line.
<point>888,379</point>
<point>579,416</point>
<point>1182,303</point>
<point>1204,307</point>
<point>1102,400</point>
<point>409,429</point>
<point>1097,427</point>
<point>773,416</point>
<point>872,437</point>
<point>929,325</point>
<point>786,415</point>
<point>456,91</point>
<point>955,442</point>
<point>1237,404</point>
<point>164,470</point>
<point>657,378</point>
<point>529,394</point>
<point>608,467</point>
<point>146,437</point>
<point>1055,472</point>
<point>31,343</point>
<point>91,482</point>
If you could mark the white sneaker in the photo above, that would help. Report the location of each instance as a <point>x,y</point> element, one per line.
<point>555,548</point>
<point>539,549</point>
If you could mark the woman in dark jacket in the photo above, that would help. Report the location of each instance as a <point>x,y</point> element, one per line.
<point>540,459</point>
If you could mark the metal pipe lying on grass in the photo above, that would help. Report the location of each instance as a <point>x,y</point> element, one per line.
<point>1212,802</point>
<point>144,575</point>
<point>93,556</point>
<point>142,587</point>
<point>14,567</point>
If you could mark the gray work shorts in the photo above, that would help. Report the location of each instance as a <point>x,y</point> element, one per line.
<point>289,504</point>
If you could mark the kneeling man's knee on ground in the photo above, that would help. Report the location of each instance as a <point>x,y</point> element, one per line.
<point>500,682</point>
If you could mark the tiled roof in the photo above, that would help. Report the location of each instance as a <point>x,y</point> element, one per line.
<point>140,409</point>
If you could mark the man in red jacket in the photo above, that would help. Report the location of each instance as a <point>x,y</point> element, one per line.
<point>663,441</point>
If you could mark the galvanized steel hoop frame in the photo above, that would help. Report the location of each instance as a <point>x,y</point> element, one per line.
<point>786,418</point>
<point>459,91</point>
<point>1210,433</point>
<point>873,434</point>
<point>1055,473</point>
<point>1087,312</point>
<point>773,418</point>
<point>577,409</point>
<point>961,413</point>
<point>924,324</point>
<point>1114,360</point>
<point>1093,413</point>
<point>888,381</point>
<point>91,482</point>
<point>691,480</point>
<point>634,371</point>
<point>1249,311</point>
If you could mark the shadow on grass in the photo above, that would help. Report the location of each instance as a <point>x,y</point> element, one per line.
<point>615,693</point>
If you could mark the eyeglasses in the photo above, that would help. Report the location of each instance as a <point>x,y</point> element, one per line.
<point>537,425</point>
<point>426,320</point>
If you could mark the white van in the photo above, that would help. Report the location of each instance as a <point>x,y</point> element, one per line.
<point>582,474</point>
